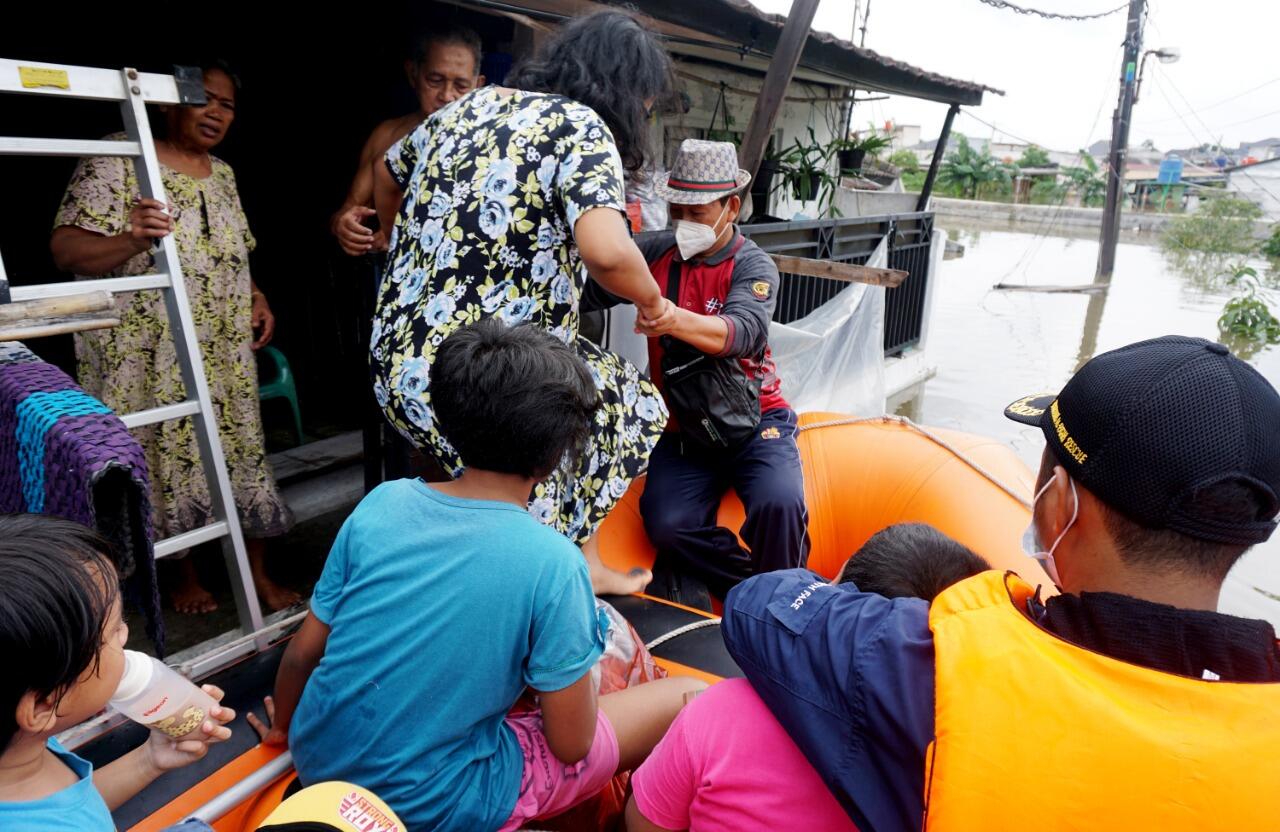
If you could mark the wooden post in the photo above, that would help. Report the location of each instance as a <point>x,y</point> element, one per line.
<point>927,188</point>
<point>781,69</point>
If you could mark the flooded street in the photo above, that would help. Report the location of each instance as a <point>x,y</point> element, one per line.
<point>990,347</point>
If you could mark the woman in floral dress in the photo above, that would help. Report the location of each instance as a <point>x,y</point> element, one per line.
<point>104,229</point>
<point>494,201</point>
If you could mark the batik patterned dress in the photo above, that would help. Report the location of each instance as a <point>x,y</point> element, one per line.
<point>493,185</point>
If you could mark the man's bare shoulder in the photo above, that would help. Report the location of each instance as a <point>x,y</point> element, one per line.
<point>391,131</point>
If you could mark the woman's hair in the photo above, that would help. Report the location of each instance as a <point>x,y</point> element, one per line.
<point>57,587</point>
<point>910,560</point>
<point>222,65</point>
<point>610,63</point>
<point>512,399</point>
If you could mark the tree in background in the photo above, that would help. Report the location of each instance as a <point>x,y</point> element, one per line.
<point>1223,225</point>
<point>912,174</point>
<point>1034,157</point>
<point>966,171</point>
<point>1088,181</point>
<point>905,160</point>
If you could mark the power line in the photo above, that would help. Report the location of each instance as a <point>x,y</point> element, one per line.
<point>1002,4</point>
<point>1196,138</point>
<point>1223,101</point>
<point>1000,130</point>
<point>1255,118</point>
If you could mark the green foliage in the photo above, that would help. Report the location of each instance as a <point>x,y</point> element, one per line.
<point>913,181</point>
<point>1034,157</point>
<point>1088,181</point>
<point>907,161</point>
<point>1047,192</point>
<point>1222,226</point>
<point>966,170</point>
<point>803,172</point>
<point>1246,323</point>
<point>1271,247</point>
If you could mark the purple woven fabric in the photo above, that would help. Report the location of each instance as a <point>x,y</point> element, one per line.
<point>95,473</point>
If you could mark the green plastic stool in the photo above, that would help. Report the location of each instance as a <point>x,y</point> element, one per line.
<point>279,385</point>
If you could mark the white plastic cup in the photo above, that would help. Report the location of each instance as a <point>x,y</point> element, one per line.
<point>155,695</point>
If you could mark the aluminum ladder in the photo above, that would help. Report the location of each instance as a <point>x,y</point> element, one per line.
<point>134,90</point>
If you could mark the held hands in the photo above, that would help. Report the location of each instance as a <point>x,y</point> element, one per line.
<point>163,753</point>
<point>657,320</point>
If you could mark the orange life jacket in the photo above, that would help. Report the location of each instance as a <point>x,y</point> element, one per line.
<point>1035,733</point>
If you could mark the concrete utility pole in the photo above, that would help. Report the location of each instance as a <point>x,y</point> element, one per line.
<point>1120,143</point>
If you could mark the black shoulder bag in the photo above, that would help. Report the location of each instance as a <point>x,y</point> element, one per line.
<point>714,401</point>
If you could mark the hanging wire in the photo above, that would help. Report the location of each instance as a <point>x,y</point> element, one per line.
<point>1001,4</point>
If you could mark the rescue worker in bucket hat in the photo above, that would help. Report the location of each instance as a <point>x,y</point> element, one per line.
<point>731,426</point>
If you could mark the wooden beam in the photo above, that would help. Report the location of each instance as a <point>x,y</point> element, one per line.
<point>849,272</point>
<point>57,306</point>
<point>941,148</point>
<point>55,325</point>
<point>764,115</point>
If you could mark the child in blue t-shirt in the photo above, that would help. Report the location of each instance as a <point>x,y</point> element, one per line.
<point>440,603</point>
<point>62,638</point>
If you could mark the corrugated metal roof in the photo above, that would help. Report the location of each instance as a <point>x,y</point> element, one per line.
<point>732,29</point>
<point>861,52</point>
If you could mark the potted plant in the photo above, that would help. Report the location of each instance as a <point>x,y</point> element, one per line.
<point>804,168</point>
<point>851,153</point>
<point>762,185</point>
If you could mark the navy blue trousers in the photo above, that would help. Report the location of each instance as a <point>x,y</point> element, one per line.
<point>683,492</point>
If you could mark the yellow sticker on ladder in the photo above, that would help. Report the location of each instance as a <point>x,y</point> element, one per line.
<point>34,76</point>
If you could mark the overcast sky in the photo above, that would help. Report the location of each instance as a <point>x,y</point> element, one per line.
<point>1060,77</point>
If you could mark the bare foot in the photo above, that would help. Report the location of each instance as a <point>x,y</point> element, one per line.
<point>188,597</point>
<point>275,597</point>
<point>606,581</point>
<point>192,599</point>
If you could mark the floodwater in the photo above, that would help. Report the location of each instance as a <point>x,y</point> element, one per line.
<point>991,347</point>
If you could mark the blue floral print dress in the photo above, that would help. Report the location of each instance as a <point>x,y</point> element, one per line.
<point>493,185</point>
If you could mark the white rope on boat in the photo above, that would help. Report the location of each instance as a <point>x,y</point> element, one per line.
<point>679,631</point>
<point>923,431</point>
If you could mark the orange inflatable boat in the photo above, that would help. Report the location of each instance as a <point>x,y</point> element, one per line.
<point>861,475</point>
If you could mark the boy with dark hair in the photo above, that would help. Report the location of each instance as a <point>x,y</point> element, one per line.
<point>726,764</point>
<point>440,603</point>
<point>910,560</point>
<point>62,638</point>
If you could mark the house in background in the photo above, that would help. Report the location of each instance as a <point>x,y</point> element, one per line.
<point>1259,151</point>
<point>1259,183</point>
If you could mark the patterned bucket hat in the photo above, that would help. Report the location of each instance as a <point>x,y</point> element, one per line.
<point>703,172</point>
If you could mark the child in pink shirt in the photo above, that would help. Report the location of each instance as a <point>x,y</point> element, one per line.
<point>727,764</point>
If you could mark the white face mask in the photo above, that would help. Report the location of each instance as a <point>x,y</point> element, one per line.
<point>693,238</point>
<point>1031,545</point>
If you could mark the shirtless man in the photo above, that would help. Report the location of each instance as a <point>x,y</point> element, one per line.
<point>445,66</point>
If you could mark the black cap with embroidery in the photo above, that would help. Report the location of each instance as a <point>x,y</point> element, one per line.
<point>1146,426</point>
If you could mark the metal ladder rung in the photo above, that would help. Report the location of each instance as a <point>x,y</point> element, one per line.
<point>179,542</point>
<point>87,82</point>
<point>20,146</point>
<point>160,414</point>
<point>114,285</point>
